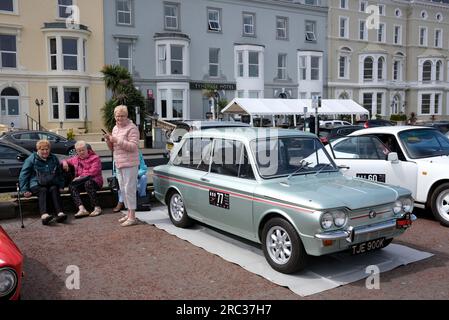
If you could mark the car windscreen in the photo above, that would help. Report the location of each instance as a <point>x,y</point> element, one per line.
<point>285,156</point>
<point>424,143</point>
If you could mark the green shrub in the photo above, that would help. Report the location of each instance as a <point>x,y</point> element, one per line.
<point>70,135</point>
<point>398,117</point>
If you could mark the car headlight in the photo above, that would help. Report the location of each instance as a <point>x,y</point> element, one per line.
<point>327,220</point>
<point>8,281</point>
<point>340,218</point>
<point>407,205</point>
<point>397,207</point>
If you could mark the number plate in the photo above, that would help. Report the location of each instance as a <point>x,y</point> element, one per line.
<point>372,176</point>
<point>219,199</point>
<point>368,246</point>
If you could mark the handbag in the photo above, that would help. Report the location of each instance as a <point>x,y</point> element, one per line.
<point>45,179</point>
<point>113,183</point>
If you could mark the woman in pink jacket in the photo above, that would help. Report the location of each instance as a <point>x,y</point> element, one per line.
<point>88,177</point>
<point>124,142</point>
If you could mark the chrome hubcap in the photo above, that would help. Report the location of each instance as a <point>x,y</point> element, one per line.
<point>443,204</point>
<point>279,245</point>
<point>177,207</point>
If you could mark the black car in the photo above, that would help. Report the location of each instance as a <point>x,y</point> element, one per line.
<point>375,123</point>
<point>28,138</point>
<point>327,135</point>
<point>11,161</point>
<point>442,126</point>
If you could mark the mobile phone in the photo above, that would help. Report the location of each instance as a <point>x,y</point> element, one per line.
<point>104,131</point>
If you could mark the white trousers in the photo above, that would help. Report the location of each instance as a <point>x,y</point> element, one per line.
<point>127,178</point>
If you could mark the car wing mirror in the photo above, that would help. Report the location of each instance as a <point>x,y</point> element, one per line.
<point>21,157</point>
<point>393,157</point>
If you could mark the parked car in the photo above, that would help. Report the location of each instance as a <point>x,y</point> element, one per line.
<point>333,123</point>
<point>11,268</point>
<point>191,125</point>
<point>375,123</point>
<point>416,158</point>
<point>11,162</point>
<point>442,126</point>
<point>279,188</point>
<point>28,138</point>
<point>327,135</point>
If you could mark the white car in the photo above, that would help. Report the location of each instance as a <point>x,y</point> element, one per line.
<point>333,123</point>
<point>416,158</point>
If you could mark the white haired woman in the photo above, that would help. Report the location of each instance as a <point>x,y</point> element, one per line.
<point>124,142</point>
<point>88,177</point>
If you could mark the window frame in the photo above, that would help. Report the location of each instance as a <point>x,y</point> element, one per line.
<point>282,67</point>
<point>59,6</point>
<point>176,18</point>
<point>216,64</point>
<point>253,25</point>
<point>130,54</point>
<point>209,21</point>
<point>9,52</point>
<point>345,28</point>
<point>63,55</point>
<point>423,40</point>
<point>310,36</point>
<point>397,37</point>
<point>130,13</point>
<point>284,29</point>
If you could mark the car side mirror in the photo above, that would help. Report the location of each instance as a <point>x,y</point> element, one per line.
<point>58,139</point>
<point>393,157</point>
<point>21,157</point>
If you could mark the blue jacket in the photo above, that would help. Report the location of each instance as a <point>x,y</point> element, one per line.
<point>142,166</point>
<point>27,178</point>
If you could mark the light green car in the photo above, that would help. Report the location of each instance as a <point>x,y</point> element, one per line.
<point>279,188</point>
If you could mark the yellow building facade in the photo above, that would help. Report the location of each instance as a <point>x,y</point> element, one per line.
<point>52,51</point>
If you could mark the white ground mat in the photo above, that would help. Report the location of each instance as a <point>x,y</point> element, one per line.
<point>323,273</point>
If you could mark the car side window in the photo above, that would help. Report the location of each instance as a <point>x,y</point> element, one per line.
<point>194,154</point>
<point>366,147</point>
<point>45,136</point>
<point>231,159</point>
<point>8,153</point>
<point>392,144</point>
<point>26,136</point>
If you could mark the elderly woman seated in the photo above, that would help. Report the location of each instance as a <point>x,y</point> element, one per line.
<point>88,178</point>
<point>41,175</point>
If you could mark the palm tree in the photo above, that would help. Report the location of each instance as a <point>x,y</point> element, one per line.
<point>119,81</point>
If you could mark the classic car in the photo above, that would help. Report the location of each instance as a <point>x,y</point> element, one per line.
<point>11,266</point>
<point>279,188</point>
<point>416,158</point>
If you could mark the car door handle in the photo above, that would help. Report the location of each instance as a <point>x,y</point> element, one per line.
<point>343,166</point>
<point>205,179</point>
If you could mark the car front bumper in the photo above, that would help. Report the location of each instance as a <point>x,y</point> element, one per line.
<point>352,233</point>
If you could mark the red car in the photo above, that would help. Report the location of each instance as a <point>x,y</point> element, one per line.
<point>11,266</point>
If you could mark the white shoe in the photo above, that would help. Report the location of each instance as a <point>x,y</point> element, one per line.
<point>129,222</point>
<point>96,212</point>
<point>123,219</point>
<point>81,213</point>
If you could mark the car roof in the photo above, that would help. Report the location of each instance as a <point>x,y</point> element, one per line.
<point>21,149</point>
<point>389,129</point>
<point>20,131</point>
<point>247,134</point>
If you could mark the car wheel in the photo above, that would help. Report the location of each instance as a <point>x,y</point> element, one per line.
<point>283,247</point>
<point>72,152</point>
<point>439,204</point>
<point>177,211</point>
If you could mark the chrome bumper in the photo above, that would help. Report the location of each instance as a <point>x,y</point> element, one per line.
<point>350,233</point>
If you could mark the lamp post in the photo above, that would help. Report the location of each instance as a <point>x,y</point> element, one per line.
<point>39,104</point>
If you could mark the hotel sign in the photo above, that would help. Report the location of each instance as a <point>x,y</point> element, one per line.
<point>212,86</point>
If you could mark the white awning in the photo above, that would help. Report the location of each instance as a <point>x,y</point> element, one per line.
<point>261,107</point>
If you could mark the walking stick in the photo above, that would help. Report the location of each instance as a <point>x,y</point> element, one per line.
<point>20,205</point>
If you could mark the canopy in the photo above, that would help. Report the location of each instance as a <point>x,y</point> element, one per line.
<point>263,107</point>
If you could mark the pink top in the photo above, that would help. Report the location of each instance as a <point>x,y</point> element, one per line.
<point>126,149</point>
<point>90,166</point>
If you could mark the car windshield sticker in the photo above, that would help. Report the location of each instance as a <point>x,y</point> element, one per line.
<point>378,177</point>
<point>219,199</point>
